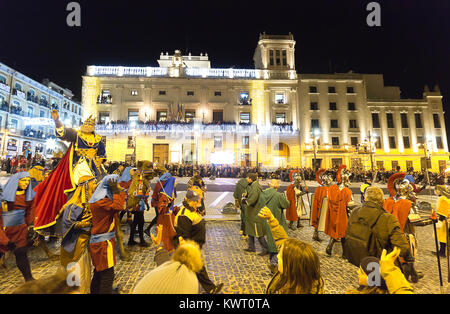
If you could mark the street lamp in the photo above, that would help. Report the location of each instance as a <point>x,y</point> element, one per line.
<point>257,149</point>
<point>316,136</point>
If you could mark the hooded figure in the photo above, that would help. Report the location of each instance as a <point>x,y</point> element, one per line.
<point>239,190</point>
<point>166,197</point>
<point>17,214</point>
<point>106,201</point>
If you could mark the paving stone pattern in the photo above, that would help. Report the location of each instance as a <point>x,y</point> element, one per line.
<point>240,271</point>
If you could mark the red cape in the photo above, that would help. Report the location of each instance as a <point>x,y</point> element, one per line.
<point>50,193</point>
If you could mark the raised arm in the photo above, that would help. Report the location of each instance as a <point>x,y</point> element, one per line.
<point>66,134</point>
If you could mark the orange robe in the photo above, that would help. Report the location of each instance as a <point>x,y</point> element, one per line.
<point>400,209</point>
<point>336,222</point>
<point>319,194</point>
<point>103,221</point>
<point>291,212</point>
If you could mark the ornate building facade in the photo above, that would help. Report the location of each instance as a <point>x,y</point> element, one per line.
<point>25,113</point>
<point>184,111</point>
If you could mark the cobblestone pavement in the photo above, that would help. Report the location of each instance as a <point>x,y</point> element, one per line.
<point>241,272</point>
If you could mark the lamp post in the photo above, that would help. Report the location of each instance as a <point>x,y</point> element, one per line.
<point>316,135</point>
<point>372,148</point>
<point>257,150</point>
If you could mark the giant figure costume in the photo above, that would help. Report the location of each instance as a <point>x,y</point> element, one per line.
<point>86,148</point>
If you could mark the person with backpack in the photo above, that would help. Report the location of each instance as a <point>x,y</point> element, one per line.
<point>371,229</point>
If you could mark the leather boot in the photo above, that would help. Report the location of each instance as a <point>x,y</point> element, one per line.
<point>299,224</point>
<point>316,236</point>
<point>330,246</point>
<point>291,226</point>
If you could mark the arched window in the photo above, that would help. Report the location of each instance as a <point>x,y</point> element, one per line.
<point>31,92</point>
<point>18,86</point>
<point>2,79</point>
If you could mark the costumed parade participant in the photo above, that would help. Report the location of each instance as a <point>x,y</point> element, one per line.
<point>197,180</point>
<point>107,200</point>
<point>340,200</point>
<point>125,181</point>
<point>86,143</point>
<point>367,183</point>
<point>241,187</point>
<point>276,202</point>
<point>75,228</point>
<point>400,205</point>
<point>190,225</point>
<point>254,225</point>
<point>164,203</point>
<point>15,219</point>
<point>294,194</point>
<point>138,194</point>
<point>442,210</point>
<point>51,195</point>
<point>320,203</point>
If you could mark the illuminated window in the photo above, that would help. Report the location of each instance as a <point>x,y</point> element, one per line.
<point>418,118</point>
<point>189,115</point>
<point>313,89</point>
<point>390,120</point>
<point>279,98</point>
<point>406,143</point>
<point>280,118</point>
<point>277,54</point>
<point>284,57</point>
<point>439,143</point>
<point>271,57</point>
<point>335,141</point>
<point>161,115</point>
<point>353,141</point>
<point>404,119</point>
<point>217,116</point>
<point>437,122</point>
<point>314,123</point>
<point>133,116</point>
<point>392,143</point>
<point>103,117</point>
<point>353,124</point>
<point>217,141</point>
<point>246,142</point>
<point>245,117</point>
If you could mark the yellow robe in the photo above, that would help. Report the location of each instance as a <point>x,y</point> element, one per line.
<point>442,208</point>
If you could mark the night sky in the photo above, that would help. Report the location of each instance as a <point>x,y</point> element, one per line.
<point>411,48</point>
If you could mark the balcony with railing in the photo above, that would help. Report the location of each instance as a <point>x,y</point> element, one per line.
<point>104,99</point>
<point>5,87</point>
<point>4,106</point>
<point>17,111</point>
<point>173,127</point>
<point>19,93</point>
<point>31,97</point>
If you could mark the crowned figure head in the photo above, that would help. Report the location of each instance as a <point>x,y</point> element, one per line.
<point>88,125</point>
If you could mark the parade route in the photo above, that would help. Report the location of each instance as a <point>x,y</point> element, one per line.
<point>227,262</point>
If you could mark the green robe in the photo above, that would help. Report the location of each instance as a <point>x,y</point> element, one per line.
<point>254,225</point>
<point>276,202</point>
<point>241,187</point>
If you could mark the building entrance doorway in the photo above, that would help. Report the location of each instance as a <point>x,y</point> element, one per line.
<point>161,153</point>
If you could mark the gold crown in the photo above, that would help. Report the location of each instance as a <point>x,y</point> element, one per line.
<point>89,121</point>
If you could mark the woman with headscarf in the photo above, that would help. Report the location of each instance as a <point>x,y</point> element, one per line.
<point>164,205</point>
<point>16,217</point>
<point>107,199</point>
